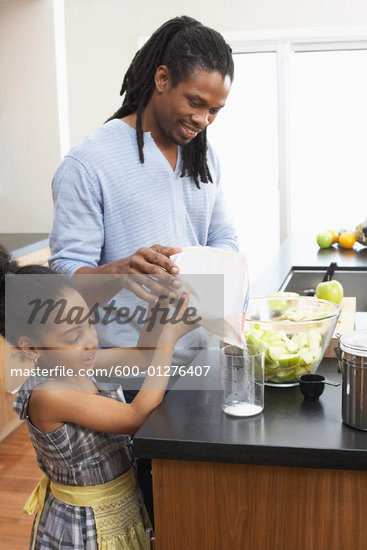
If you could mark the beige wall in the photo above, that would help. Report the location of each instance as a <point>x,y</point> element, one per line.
<point>101,39</point>
<point>29,135</point>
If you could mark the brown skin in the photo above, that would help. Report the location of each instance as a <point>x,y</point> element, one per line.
<point>153,261</point>
<point>190,106</point>
<point>170,115</point>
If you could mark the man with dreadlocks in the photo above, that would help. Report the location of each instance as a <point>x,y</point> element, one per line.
<point>148,174</point>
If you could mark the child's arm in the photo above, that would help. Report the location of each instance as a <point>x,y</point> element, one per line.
<point>49,408</point>
<point>142,355</point>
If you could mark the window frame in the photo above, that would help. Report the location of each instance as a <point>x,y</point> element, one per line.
<point>284,42</point>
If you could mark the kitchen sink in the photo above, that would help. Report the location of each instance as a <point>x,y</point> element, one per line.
<point>354,282</point>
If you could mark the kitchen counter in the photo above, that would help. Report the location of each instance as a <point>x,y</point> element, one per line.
<point>20,244</point>
<point>190,425</point>
<point>290,432</point>
<point>292,477</point>
<point>301,253</point>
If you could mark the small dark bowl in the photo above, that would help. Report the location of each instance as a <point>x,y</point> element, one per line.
<point>312,385</point>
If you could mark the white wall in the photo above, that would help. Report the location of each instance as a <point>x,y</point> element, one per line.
<point>101,39</point>
<point>29,135</point>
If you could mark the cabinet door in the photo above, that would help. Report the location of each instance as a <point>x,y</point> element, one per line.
<point>9,358</point>
<point>8,419</point>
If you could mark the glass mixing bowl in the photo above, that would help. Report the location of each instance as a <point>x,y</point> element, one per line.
<point>296,332</point>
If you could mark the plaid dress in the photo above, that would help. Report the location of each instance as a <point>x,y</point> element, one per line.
<point>72,455</point>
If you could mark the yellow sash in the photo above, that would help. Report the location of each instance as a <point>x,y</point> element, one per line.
<point>115,505</point>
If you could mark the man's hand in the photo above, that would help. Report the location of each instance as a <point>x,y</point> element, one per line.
<point>154,261</point>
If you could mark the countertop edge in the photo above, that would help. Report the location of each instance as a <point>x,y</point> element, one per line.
<point>299,457</point>
<point>146,444</point>
<point>29,248</point>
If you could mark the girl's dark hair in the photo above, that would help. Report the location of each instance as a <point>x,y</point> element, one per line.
<point>19,291</point>
<point>182,44</point>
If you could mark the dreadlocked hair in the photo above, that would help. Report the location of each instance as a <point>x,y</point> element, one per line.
<point>182,44</point>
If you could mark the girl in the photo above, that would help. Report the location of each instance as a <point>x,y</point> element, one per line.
<point>88,498</point>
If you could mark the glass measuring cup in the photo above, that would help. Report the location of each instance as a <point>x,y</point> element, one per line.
<point>242,377</point>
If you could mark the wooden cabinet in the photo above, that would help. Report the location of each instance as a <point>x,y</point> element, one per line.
<point>8,419</point>
<point>215,506</point>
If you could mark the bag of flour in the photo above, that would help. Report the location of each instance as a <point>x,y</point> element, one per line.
<point>218,284</point>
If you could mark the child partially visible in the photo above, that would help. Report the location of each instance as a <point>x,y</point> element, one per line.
<point>88,498</point>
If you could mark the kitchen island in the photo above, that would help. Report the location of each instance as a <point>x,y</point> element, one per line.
<point>293,477</point>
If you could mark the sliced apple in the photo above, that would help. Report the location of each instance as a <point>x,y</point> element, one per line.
<point>290,360</point>
<point>306,356</point>
<point>288,375</point>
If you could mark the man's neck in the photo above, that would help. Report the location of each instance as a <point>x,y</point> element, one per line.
<point>148,123</point>
<point>130,120</point>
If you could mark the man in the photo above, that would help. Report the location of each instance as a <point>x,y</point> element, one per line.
<point>147,175</point>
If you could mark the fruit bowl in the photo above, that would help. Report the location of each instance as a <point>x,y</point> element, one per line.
<point>296,332</point>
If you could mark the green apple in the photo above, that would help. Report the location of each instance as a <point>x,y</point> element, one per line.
<point>290,360</point>
<point>301,370</point>
<point>286,375</point>
<point>324,239</point>
<point>330,290</point>
<point>278,300</point>
<point>287,356</point>
<point>306,356</point>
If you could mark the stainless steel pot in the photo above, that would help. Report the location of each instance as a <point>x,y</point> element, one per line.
<point>353,346</point>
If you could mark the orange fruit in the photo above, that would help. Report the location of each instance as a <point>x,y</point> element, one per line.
<point>347,239</point>
<point>334,235</point>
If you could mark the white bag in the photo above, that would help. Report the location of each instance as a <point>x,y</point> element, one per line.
<point>220,301</point>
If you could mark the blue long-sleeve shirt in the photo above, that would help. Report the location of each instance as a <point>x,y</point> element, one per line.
<point>108,204</point>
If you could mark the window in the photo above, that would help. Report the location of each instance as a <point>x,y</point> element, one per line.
<point>245,136</point>
<point>328,148</point>
<point>293,135</point>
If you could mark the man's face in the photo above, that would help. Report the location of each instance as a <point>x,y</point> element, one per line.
<point>181,112</point>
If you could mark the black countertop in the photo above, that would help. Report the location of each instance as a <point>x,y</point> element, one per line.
<point>300,253</point>
<point>190,425</point>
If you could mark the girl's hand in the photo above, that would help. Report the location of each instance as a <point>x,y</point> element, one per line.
<point>182,318</point>
<point>165,323</point>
